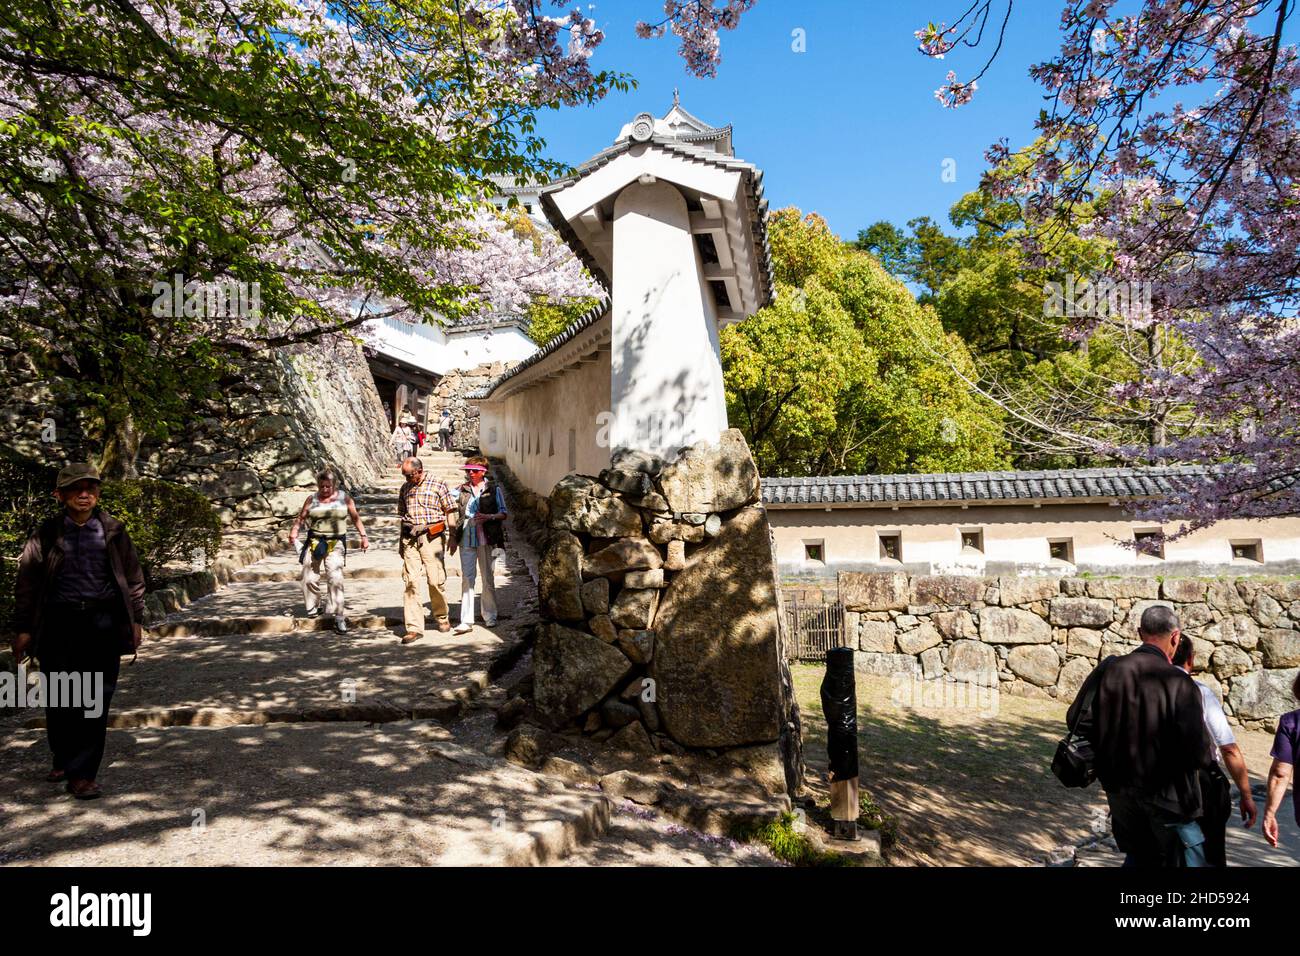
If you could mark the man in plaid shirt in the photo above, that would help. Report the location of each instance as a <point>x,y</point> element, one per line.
<point>427,513</point>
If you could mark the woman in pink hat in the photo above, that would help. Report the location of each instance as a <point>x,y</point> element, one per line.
<point>482,527</point>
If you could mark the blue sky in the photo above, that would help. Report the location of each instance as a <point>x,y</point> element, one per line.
<point>850,128</point>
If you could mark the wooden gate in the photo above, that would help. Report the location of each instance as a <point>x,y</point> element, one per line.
<point>813,626</point>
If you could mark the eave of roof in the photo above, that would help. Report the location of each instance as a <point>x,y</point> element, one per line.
<point>1074,484</point>
<point>588,319</point>
<point>753,182</point>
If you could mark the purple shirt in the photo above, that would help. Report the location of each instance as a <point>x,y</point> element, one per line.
<point>1286,745</point>
<point>84,574</point>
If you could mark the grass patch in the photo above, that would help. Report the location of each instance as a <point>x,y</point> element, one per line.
<point>786,843</point>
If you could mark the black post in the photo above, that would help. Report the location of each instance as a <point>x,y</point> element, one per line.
<point>840,705</point>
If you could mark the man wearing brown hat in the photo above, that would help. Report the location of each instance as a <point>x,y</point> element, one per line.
<point>79,604</point>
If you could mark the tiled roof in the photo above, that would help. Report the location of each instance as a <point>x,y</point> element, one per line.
<point>753,178</point>
<point>959,487</point>
<point>588,319</point>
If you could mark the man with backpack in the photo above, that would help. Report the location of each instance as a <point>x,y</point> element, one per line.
<point>79,604</point>
<point>1146,725</point>
<point>445,428</point>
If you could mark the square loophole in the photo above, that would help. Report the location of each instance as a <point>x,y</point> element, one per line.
<point>1061,549</point>
<point>972,540</point>
<point>891,545</point>
<point>814,552</point>
<point>1247,551</point>
<point>1150,543</point>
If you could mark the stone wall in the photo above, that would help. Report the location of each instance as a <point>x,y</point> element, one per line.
<point>1041,636</point>
<point>661,628</point>
<point>450,393</point>
<point>253,448</point>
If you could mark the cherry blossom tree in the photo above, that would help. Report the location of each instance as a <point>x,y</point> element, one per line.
<point>317,164</point>
<point>1170,131</point>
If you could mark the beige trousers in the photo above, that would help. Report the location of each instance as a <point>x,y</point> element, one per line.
<point>332,564</point>
<point>423,562</point>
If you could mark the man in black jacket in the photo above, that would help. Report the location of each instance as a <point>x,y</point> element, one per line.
<point>1148,732</point>
<point>79,603</point>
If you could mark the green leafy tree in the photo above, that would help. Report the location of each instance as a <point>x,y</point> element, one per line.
<point>847,373</point>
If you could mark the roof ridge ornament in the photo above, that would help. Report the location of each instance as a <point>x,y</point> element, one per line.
<point>643,127</point>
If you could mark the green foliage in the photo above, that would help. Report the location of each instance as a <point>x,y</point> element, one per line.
<point>846,373</point>
<point>547,319</point>
<point>25,500</point>
<point>786,843</point>
<point>990,291</point>
<point>872,816</point>
<point>167,522</point>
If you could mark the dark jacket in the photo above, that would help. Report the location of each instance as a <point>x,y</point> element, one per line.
<point>39,564</point>
<point>487,505</point>
<point>1147,729</point>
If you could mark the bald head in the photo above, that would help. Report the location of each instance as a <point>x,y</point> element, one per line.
<point>412,469</point>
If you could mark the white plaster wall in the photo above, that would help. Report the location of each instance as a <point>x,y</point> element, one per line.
<point>531,429</point>
<point>666,386</point>
<point>470,349</point>
<point>1018,535</point>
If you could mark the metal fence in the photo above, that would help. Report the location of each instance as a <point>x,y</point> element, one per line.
<point>813,625</point>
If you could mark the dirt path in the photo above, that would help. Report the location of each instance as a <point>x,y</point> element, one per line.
<point>972,785</point>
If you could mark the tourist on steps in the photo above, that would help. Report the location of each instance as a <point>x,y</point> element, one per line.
<point>445,427</point>
<point>481,512</point>
<point>425,507</point>
<point>79,601</point>
<point>1147,729</point>
<point>399,441</point>
<point>1216,794</point>
<point>1286,747</point>
<point>326,514</point>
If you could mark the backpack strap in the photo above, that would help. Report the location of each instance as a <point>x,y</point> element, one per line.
<point>1090,696</point>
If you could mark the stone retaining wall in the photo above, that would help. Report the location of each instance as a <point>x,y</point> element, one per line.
<point>661,629</point>
<point>450,393</point>
<point>1042,636</point>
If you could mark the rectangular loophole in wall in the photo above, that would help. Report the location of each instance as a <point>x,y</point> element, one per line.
<point>573,449</point>
<point>972,540</point>
<point>1248,551</point>
<point>814,552</point>
<point>891,545</point>
<point>1061,549</point>
<point>1150,543</point>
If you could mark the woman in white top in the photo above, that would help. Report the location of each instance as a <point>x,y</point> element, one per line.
<point>401,443</point>
<point>326,514</point>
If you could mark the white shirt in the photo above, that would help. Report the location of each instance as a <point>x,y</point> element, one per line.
<point>1216,721</point>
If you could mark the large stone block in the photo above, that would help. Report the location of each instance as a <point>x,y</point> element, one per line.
<point>973,663</point>
<point>946,589</point>
<point>559,578</point>
<point>877,637</point>
<point>573,672</point>
<point>1281,648</point>
<point>1083,642</point>
<point>625,554</point>
<point>1183,590</point>
<point>595,596</point>
<point>634,608</point>
<point>1123,588</point>
<point>1035,663</point>
<point>708,478</point>
<point>1026,590</point>
<point>861,591</point>
<point>919,639</point>
<point>568,500</point>
<point>1000,625</point>
<point>1081,612</point>
<point>1229,661</point>
<point>955,625</point>
<point>1072,676</point>
<point>716,660</point>
<point>1263,694</point>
